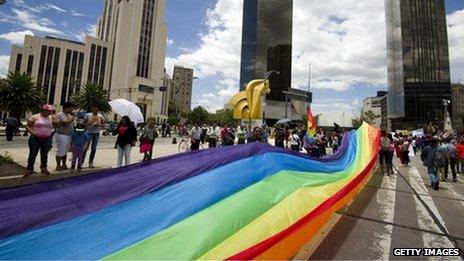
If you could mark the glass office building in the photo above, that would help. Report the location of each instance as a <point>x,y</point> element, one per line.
<point>267,44</point>
<point>418,62</point>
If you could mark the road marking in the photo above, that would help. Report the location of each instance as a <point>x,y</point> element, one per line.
<point>424,218</point>
<point>386,212</point>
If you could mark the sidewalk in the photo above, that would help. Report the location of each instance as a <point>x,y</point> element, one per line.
<point>106,157</point>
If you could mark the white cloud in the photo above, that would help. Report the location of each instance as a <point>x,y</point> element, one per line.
<point>76,13</point>
<point>344,40</point>
<point>4,63</point>
<point>349,105</point>
<point>38,8</point>
<point>44,7</point>
<point>18,2</point>
<point>16,37</point>
<point>170,42</point>
<point>90,31</point>
<point>30,21</point>
<point>456,44</point>
<point>209,95</point>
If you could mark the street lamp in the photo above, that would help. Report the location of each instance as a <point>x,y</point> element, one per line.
<point>447,120</point>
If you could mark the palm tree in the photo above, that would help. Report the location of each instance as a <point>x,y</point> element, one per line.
<point>92,95</point>
<point>19,94</point>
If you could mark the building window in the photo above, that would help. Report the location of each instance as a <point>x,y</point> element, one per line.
<point>103,66</point>
<point>91,63</point>
<point>19,57</point>
<point>43,55</point>
<point>143,63</point>
<point>72,78</point>
<point>64,88</point>
<point>48,69</point>
<point>56,61</point>
<point>80,65</point>
<point>30,64</point>
<point>108,21</point>
<point>96,72</point>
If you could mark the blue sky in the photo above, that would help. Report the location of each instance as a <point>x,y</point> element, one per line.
<point>205,34</point>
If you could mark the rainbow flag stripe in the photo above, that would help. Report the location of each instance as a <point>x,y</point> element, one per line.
<point>311,130</point>
<point>252,201</point>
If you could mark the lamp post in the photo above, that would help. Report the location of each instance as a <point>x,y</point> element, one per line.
<point>447,121</point>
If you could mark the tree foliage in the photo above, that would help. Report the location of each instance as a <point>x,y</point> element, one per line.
<point>92,95</point>
<point>172,109</point>
<point>198,116</point>
<point>19,94</point>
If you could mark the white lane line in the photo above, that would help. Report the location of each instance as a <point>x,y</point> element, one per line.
<point>424,219</point>
<point>385,197</point>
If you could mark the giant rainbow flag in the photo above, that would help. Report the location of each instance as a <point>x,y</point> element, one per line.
<point>241,202</point>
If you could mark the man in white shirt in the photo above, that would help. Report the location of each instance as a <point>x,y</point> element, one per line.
<point>195,135</point>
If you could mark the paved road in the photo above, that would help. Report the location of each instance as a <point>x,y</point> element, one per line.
<point>400,211</point>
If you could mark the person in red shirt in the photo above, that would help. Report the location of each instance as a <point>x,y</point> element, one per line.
<point>460,156</point>
<point>226,136</point>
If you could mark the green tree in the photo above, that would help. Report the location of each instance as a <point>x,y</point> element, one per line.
<point>224,116</point>
<point>173,120</point>
<point>198,116</point>
<point>92,95</point>
<point>19,94</point>
<point>172,109</point>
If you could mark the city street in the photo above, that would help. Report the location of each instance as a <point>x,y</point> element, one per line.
<point>400,211</point>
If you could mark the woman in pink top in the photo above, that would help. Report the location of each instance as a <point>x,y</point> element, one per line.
<point>40,126</point>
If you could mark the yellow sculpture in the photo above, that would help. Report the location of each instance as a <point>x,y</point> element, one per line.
<point>247,104</point>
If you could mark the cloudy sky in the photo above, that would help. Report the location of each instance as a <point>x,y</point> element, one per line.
<point>344,40</point>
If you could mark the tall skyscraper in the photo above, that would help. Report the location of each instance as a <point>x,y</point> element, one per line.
<point>181,93</point>
<point>126,57</point>
<point>267,44</point>
<point>418,61</point>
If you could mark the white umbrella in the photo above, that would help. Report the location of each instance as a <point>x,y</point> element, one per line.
<point>124,107</point>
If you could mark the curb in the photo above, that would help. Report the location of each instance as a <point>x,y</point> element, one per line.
<point>18,181</point>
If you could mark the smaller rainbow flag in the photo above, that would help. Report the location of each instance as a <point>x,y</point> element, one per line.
<point>311,131</point>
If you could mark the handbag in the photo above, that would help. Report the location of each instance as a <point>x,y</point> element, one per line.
<point>145,147</point>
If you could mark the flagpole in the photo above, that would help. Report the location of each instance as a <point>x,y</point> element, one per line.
<point>309,83</point>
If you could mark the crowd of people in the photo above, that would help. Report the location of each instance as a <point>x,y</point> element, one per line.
<point>440,153</point>
<point>294,138</point>
<point>78,135</point>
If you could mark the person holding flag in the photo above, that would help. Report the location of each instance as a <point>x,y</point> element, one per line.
<point>309,139</point>
<point>311,130</point>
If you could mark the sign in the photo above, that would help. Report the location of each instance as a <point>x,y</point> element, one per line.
<point>418,133</point>
<point>146,89</point>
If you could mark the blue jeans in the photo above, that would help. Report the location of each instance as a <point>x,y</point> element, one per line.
<point>94,137</point>
<point>432,171</point>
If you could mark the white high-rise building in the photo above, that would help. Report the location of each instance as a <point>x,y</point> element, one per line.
<point>126,57</point>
